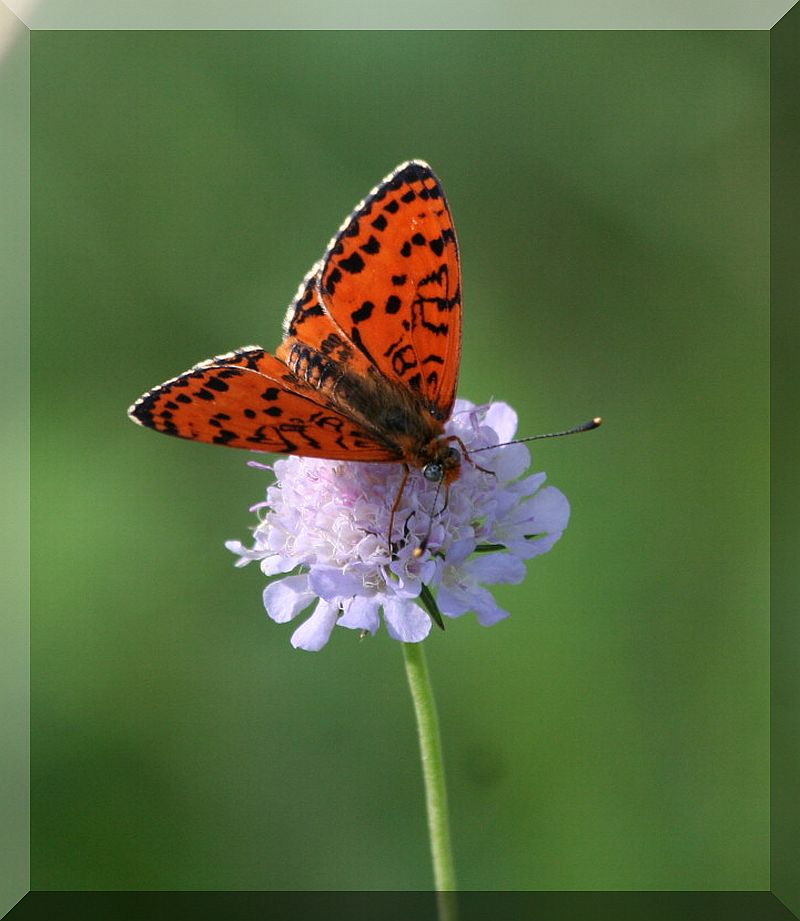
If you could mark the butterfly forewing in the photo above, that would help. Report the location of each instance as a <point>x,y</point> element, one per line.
<point>248,399</point>
<point>391,281</point>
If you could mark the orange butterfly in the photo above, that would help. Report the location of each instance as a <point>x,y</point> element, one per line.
<point>368,367</point>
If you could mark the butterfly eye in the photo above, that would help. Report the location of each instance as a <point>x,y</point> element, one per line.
<point>434,472</point>
<point>452,458</point>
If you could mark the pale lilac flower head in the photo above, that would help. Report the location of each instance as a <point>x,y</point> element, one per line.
<point>325,525</point>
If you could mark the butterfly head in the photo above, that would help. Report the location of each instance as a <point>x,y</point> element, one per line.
<point>443,463</point>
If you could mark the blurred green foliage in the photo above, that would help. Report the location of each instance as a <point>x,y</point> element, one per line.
<point>610,191</point>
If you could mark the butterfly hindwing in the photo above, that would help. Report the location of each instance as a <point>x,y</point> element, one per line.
<point>391,281</point>
<point>309,325</point>
<point>249,399</point>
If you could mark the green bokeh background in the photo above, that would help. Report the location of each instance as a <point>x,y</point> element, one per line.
<point>610,192</point>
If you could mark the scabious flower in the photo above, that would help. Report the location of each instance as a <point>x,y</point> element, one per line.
<point>324,535</point>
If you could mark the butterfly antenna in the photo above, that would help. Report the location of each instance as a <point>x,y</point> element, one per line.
<point>423,546</point>
<point>584,427</point>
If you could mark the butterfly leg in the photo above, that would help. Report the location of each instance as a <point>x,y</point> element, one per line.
<point>423,546</point>
<point>467,457</point>
<point>406,472</point>
<point>443,509</point>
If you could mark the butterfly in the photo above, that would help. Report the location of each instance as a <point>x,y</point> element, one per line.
<point>369,362</point>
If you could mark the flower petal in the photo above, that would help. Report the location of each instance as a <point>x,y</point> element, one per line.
<point>550,510</point>
<point>487,609</point>
<point>462,406</point>
<point>331,583</point>
<point>457,600</point>
<point>529,485</point>
<point>528,549</point>
<point>406,621</point>
<point>510,462</point>
<point>285,598</point>
<point>361,614</point>
<point>453,602</point>
<point>459,550</point>
<point>273,564</point>
<point>316,631</point>
<point>502,418</point>
<point>245,555</point>
<point>496,567</point>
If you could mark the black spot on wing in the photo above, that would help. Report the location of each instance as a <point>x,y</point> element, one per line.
<point>352,264</point>
<point>355,338</point>
<point>371,247</point>
<point>364,312</point>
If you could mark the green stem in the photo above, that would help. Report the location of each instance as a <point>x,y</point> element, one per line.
<point>433,773</point>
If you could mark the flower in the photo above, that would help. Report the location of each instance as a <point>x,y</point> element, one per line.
<point>325,535</point>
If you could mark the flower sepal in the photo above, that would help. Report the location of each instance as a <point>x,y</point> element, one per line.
<point>429,603</point>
